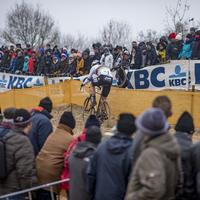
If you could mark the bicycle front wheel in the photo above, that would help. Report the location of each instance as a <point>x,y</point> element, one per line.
<point>88,109</point>
<point>120,78</point>
<point>104,112</point>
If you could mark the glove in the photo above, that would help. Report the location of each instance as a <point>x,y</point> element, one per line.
<point>159,56</point>
<point>81,86</point>
<point>81,69</point>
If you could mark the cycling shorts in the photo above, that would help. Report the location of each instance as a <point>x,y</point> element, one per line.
<point>105,81</point>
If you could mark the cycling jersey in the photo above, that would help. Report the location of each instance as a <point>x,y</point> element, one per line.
<point>98,70</point>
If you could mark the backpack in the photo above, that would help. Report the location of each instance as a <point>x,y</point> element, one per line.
<point>3,169</point>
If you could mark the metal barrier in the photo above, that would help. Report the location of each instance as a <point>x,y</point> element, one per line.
<point>33,189</point>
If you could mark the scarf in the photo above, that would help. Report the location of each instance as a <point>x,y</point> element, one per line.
<point>197,37</point>
<point>71,61</point>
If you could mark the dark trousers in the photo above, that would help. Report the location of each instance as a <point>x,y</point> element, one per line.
<point>45,195</point>
<point>121,77</point>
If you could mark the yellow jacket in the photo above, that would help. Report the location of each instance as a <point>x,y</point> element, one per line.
<point>163,55</point>
<point>80,64</point>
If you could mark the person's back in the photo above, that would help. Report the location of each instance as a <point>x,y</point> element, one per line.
<point>41,125</point>
<point>78,162</point>
<point>110,166</point>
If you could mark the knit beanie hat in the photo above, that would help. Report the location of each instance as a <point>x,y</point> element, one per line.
<point>189,35</point>
<point>8,115</point>
<point>144,47</point>
<point>92,121</point>
<point>46,103</point>
<point>179,36</point>
<point>42,49</point>
<point>22,118</point>
<point>92,53</point>
<point>93,134</point>
<point>152,122</point>
<point>68,119</point>
<point>192,28</point>
<point>197,32</point>
<point>126,124</point>
<point>173,35</point>
<point>185,123</point>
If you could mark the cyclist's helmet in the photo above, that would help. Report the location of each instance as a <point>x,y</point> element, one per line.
<point>95,62</point>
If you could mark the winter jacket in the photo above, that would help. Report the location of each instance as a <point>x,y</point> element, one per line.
<point>41,63</point>
<point>30,51</point>
<point>97,56</point>
<point>41,128</point>
<point>49,161</point>
<point>19,63</point>
<point>35,66</point>
<point>107,60</point>
<point>157,173</point>
<point>67,55</point>
<point>137,58</point>
<point>110,167</point>
<point>174,49</point>
<point>12,64</point>
<point>65,173</point>
<point>187,49</point>
<point>196,48</point>
<point>162,56</point>
<point>185,142</point>
<point>47,63</point>
<point>86,66</point>
<point>80,64</point>
<point>64,64</point>
<point>4,129</point>
<point>71,69</point>
<point>151,58</point>
<point>57,55</point>
<point>78,162</point>
<point>4,59</point>
<point>19,157</point>
<point>55,67</point>
<point>1,58</point>
<point>195,171</point>
<point>31,64</point>
<point>25,68</point>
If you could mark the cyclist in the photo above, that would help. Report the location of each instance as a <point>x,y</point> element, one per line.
<point>125,64</point>
<point>104,79</point>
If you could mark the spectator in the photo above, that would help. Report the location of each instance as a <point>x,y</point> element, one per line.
<point>20,158</point>
<point>179,41</point>
<point>26,53</point>
<point>101,51</point>
<point>57,53</point>
<point>144,54</point>
<point>65,52</point>
<point>50,162</point>
<point>107,58</point>
<point>162,102</point>
<point>91,121</point>
<point>19,62</point>
<point>26,61</point>
<point>187,47</point>
<point>157,172</point>
<point>29,49</point>
<point>136,58</point>
<point>78,162</point>
<point>31,62</point>
<point>8,62</point>
<point>8,120</point>
<point>71,70</point>
<point>184,132</point>
<point>92,58</point>
<point>5,57</point>
<point>12,62</point>
<point>80,63</point>
<point>161,53</point>
<point>55,65</point>
<point>12,48</point>
<point>115,55</point>
<point>41,125</point>
<point>47,63</point>
<point>64,64</point>
<point>87,50</point>
<point>52,55</point>
<point>105,171</point>
<point>97,55</point>
<point>151,56</point>
<point>18,46</point>
<point>1,57</point>
<point>86,67</point>
<point>35,63</point>
<point>48,47</point>
<point>134,43</point>
<point>192,31</point>
<point>140,45</point>
<point>196,46</point>
<point>40,60</point>
<point>73,51</point>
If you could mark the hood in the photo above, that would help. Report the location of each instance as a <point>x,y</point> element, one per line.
<point>136,48</point>
<point>165,143</point>
<point>27,57</point>
<point>118,143</point>
<point>41,110</point>
<point>4,130</point>
<point>189,41</point>
<point>83,149</point>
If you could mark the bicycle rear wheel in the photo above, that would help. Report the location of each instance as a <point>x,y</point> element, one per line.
<point>88,109</point>
<point>117,76</point>
<point>104,112</point>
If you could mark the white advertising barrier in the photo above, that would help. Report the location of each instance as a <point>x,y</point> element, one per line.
<point>159,77</point>
<point>9,81</point>
<point>194,74</point>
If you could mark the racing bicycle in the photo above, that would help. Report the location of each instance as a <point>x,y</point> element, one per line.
<point>101,110</point>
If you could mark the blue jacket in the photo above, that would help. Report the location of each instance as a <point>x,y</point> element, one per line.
<point>19,63</point>
<point>4,130</point>
<point>13,65</point>
<point>25,68</point>
<point>187,49</point>
<point>109,169</point>
<point>58,55</point>
<point>66,54</point>
<point>41,129</point>
<point>152,56</point>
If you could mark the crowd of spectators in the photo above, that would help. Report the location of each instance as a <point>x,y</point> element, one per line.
<point>154,164</point>
<point>52,61</point>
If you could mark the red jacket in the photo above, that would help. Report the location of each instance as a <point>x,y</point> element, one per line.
<point>65,174</point>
